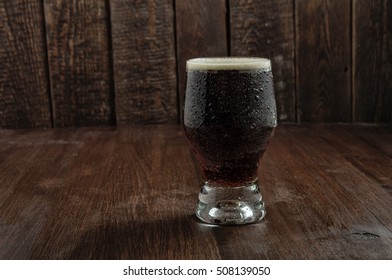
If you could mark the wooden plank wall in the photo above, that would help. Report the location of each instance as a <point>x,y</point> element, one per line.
<point>372,61</point>
<point>107,62</point>
<point>144,61</point>
<point>79,66</point>
<point>323,58</point>
<point>24,85</point>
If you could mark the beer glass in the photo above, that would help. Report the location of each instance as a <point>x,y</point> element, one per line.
<point>229,118</point>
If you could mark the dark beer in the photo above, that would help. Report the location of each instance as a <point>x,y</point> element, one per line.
<point>229,117</point>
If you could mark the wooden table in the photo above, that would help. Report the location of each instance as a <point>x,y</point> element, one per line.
<point>130,192</point>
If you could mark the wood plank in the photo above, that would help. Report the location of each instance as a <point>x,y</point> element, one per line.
<point>30,187</point>
<point>323,54</point>
<point>129,193</point>
<point>80,69</point>
<point>200,32</point>
<point>372,63</point>
<point>266,29</point>
<point>314,210</point>
<point>144,61</point>
<point>379,137</point>
<point>371,159</point>
<point>144,216</point>
<point>24,90</point>
<point>100,203</point>
<point>331,207</point>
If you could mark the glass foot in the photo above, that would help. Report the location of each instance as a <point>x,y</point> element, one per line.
<point>230,205</point>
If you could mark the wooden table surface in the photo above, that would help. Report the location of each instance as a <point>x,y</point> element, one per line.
<point>130,193</point>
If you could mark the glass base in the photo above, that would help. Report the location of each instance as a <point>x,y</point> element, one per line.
<point>230,205</point>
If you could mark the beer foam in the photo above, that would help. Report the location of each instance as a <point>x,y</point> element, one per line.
<point>228,63</point>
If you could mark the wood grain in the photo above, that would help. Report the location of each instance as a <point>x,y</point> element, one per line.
<point>130,192</point>
<point>341,211</point>
<point>372,159</point>
<point>144,61</point>
<point>372,64</point>
<point>266,29</point>
<point>80,70</point>
<point>200,32</point>
<point>323,60</point>
<point>100,203</point>
<point>24,94</point>
<point>379,137</point>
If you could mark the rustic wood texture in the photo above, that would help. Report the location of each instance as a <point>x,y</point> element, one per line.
<point>266,29</point>
<point>129,193</point>
<point>88,63</point>
<point>200,32</point>
<point>323,60</point>
<point>80,70</point>
<point>372,61</point>
<point>24,95</point>
<point>144,61</point>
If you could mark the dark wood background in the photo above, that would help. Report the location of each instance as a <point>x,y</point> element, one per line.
<point>107,62</point>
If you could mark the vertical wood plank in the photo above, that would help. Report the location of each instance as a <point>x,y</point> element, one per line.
<point>144,61</point>
<point>323,60</point>
<point>24,96</point>
<point>80,70</point>
<point>200,31</point>
<point>266,29</point>
<point>372,61</point>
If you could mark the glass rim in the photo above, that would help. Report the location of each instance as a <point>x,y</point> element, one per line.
<point>228,63</point>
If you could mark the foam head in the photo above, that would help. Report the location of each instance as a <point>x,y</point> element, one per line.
<point>229,63</point>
